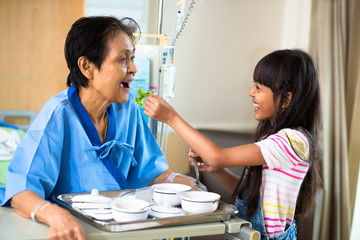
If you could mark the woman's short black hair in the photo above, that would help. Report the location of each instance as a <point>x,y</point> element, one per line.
<point>89,37</point>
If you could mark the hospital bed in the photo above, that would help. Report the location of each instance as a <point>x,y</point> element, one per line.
<point>20,118</point>
<point>13,124</point>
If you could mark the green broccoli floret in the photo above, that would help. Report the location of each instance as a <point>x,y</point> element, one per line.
<point>142,95</point>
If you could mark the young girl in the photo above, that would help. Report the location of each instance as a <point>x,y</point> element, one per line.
<point>281,176</point>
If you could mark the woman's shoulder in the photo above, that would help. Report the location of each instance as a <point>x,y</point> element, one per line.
<point>57,100</point>
<point>50,110</point>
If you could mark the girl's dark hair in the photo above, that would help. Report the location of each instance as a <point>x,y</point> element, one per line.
<point>89,37</point>
<point>286,71</point>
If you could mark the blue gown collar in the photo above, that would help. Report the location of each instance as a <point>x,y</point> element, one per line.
<point>86,121</point>
<point>110,145</point>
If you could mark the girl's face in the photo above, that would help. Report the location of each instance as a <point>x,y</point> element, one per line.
<point>263,100</point>
<point>112,81</point>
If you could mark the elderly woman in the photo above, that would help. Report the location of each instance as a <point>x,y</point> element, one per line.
<point>91,135</point>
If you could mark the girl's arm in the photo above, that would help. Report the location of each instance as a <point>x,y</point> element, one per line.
<point>225,176</point>
<point>62,224</point>
<point>245,155</point>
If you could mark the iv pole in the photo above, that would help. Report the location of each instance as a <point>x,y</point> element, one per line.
<point>161,42</point>
<point>154,123</point>
<point>160,17</point>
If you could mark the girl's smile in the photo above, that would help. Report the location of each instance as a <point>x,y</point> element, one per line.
<point>257,106</point>
<point>263,100</point>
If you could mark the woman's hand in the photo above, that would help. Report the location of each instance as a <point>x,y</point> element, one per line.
<point>179,178</point>
<point>159,109</point>
<point>63,225</point>
<point>203,166</point>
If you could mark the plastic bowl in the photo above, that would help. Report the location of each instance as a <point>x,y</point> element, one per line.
<point>129,209</point>
<point>169,193</point>
<point>199,202</point>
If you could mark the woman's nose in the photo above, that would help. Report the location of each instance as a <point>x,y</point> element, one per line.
<point>132,67</point>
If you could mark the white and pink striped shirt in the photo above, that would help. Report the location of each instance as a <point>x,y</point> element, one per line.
<point>286,154</point>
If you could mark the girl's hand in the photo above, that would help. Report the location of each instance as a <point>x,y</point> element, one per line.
<point>225,176</point>
<point>203,166</point>
<point>159,109</point>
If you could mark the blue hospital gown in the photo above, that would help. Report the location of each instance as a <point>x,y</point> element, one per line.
<point>61,151</point>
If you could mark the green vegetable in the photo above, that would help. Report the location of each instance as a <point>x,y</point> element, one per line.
<point>142,95</point>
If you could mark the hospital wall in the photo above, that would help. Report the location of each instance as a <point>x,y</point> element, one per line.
<point>215,56</point>
<point>218,49</point>
<point>32,63</point>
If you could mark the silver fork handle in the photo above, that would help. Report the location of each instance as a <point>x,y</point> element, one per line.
<point>196,169</point>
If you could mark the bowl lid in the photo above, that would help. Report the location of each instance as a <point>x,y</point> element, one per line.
<point>88,198</point>
<point>94,197</point>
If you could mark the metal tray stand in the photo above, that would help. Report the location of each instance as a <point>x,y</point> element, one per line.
<point>223,213</point>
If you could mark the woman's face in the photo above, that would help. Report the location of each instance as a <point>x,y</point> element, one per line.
<point>263,100</point>
<point>112,81</point>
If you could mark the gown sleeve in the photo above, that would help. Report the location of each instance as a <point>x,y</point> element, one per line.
<point>35,166</point>
<point>36,163</point>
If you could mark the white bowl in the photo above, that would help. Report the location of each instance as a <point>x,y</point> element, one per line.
<point>129,209</point>
<point>199,202</point>
<point>169,193</point>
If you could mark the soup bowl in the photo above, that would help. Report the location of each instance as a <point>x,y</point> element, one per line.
<point>130,209</point>
<point>199,202</point>
<point>169,193</point>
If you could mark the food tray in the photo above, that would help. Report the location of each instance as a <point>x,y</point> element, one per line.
<point>223,213</point>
